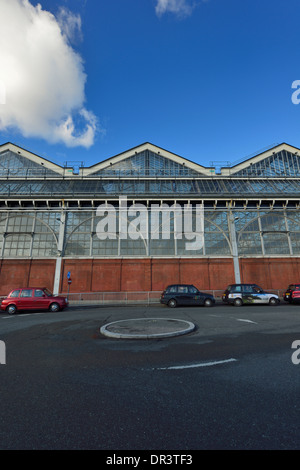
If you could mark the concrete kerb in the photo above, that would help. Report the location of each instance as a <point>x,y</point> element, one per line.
<point>147,328</point>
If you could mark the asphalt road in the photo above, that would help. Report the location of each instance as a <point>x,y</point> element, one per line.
<point>230,384</point>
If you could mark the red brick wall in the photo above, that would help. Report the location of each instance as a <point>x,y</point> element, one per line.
<point>270,273</point>
<point>145,274</point>
<point>203,273</point>
<point>104,275</point>
<point>25,273</point>
<point>81,275</point>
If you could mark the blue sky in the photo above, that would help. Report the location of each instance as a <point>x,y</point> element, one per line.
<point>208,80</point>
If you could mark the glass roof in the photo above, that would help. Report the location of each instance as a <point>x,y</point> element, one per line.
<point>279,164</point>
<point>116,187</point>
<point>12,164</point>
<point>149,174</point>
<point>146,163</point>
<point>151,164</point>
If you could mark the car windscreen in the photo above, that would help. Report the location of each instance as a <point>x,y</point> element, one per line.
<point>48,292</point>
<point>171,290</point>
<point>15,293</point>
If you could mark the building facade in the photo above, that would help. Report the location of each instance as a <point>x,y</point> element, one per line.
<point>146,218</point>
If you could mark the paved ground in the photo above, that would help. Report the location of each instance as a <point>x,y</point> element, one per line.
<point>228,384</point>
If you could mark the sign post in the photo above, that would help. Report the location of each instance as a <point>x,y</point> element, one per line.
<point>69,283</point>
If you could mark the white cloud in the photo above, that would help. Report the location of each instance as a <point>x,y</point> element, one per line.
<point>42,75</point>
<point>179,7</point>
<point>70,24</point>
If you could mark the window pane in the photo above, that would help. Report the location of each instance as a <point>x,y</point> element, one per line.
<point>15,293</point>
<point>26,293</point>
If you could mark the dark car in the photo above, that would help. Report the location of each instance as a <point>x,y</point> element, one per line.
<point>32,298</point>
<point>239,294</point>
<point>292,294</point>
<point>185,294</point>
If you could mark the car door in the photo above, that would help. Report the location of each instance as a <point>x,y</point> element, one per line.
<point>40,300</point>
<point>195,296</point>
<point>25,300</point>
<point>258,295</point>
<point>183,295</point>
<point>249,295</point>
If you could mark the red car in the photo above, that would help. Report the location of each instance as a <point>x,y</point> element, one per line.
<point>292,294</point>
<point>32,298</point>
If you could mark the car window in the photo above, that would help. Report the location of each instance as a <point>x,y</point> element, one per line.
<point>238,289</point>
<point>26,293</point>
<point>15,293</point>
<point>192,290</point>
<point>172,289</point>
<point>182,289</point>
<point>38,293</point>
<point>256,289</point>
<point>248,288</point>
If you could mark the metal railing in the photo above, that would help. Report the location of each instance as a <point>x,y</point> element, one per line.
<point>126,298</point>
<point>132,298</point>
<point>104,298</point>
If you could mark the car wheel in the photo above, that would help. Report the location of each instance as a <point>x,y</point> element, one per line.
<point>11,309</point>
<point>208,303</point>
<point>273,301</point>
<point>237,302</point>
<point>54,307</point>
<point>172,303</point>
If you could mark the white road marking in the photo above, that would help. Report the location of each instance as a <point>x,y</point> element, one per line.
<point>248,321</point>
<point>26,315</point>
<point>202,364</point>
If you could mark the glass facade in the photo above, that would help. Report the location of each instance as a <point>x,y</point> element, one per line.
<point>258,233</point>
<point>28,234</point>
<point>239,210</point>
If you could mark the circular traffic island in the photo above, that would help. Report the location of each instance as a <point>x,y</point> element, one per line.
<point>147,328</point>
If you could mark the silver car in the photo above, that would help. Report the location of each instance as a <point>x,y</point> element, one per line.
<point>240,294</point>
